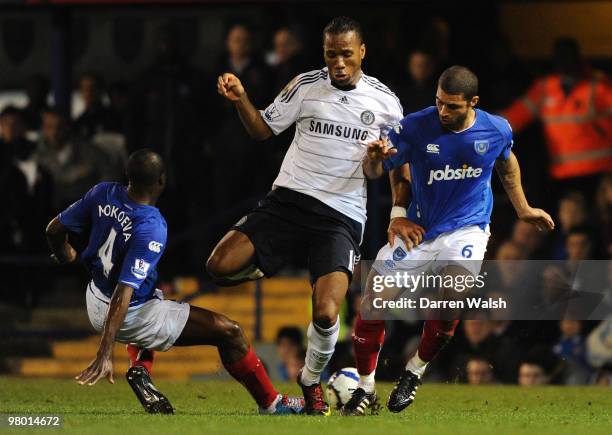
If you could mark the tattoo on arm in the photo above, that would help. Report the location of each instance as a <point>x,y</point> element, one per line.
<point>509,173</point>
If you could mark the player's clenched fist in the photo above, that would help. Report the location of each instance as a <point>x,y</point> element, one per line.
<point>380,150</point>
<point>411,233</point>
<point>229,86</point>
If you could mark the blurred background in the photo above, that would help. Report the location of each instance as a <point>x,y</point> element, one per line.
<point>84,83</point>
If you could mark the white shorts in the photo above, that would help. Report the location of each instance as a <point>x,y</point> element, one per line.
<point>154,325</point>
<point>464,247</point>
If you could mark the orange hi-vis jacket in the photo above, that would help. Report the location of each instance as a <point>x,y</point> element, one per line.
<point>577,126</point>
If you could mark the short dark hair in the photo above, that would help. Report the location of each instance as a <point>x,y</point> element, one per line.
<point>92,75</point>
<point>477,358</point>
<point>291,333</point>
<point>145,167</point>
<point>11,110</point>
<point>567,47</point>
<point>340,25</point>
<point>574,196</point>
<point>65,120</point>
<point>233,23</point>
<point>54,111</point>
<point>584,230</point>
<point>542,357</point>
<point>457,80</point>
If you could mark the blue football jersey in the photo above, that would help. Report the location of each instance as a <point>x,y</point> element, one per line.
<point>126,239</point>
<point>450,171</point>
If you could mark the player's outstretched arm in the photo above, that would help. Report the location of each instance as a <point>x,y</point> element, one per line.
<point>378,151</point>
<point>230,87</point>
<point>509,173</point>
<point>102,366</point>
<point>57,239</point>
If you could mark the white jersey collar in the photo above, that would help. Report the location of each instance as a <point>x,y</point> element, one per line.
<point>469,126</point>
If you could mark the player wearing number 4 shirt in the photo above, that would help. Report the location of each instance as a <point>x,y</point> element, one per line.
<point>126,239</point>
<point>451,151</point>
<point>317,206</point>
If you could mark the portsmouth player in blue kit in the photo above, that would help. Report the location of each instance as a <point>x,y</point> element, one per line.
<point>445,156</point>
<point>126,239</point>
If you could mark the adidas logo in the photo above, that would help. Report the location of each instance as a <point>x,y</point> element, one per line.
<point>344,100</point>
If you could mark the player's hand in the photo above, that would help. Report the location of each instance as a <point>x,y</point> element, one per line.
<point>412,234</point>
<point>69,255</point>
<point>380,150</point>
<point>229,86</point>
<point>537,217</point>
<point>101,367</point>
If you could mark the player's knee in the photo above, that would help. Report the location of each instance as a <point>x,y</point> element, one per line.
<point>218,265</point>
<point>325,315</point>
<point>231,331</point>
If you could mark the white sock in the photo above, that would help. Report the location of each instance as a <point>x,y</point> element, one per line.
<point>367,382</point>
<point>416,365</point>
<point>321,344</point>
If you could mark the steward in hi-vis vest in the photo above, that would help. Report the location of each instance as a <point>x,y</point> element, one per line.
<point>575,108</point>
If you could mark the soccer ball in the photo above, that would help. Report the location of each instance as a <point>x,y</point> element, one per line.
<point>341,385</point>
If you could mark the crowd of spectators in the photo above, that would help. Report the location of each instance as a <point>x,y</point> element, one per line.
<point>173,108</point>
<point>49,160</point>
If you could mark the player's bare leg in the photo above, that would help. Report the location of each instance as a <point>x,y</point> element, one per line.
<point>328,294</point>
<point>231,262</point>
<point>206,327</point>
<point>368,338</point>
<point>437,333</point>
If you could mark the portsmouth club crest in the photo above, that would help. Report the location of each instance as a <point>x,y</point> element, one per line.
<point>367,117</point>
<point>481,146</point>
<point>399,254</point>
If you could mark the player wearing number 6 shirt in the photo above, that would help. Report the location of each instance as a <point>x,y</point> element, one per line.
<point>317,206</point>
<point>451,150</point>
<point>126,239</point>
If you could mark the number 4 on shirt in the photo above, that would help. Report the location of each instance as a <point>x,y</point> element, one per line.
<point>105,253</point>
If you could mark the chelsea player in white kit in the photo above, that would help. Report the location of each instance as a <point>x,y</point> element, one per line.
<point>126,239</point>
<point>445,155</point>
<point>317,206</point>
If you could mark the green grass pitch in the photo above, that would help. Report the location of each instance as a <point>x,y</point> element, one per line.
<point>220,407</point>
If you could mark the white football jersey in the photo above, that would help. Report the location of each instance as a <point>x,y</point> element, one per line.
<point>333,128</point>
